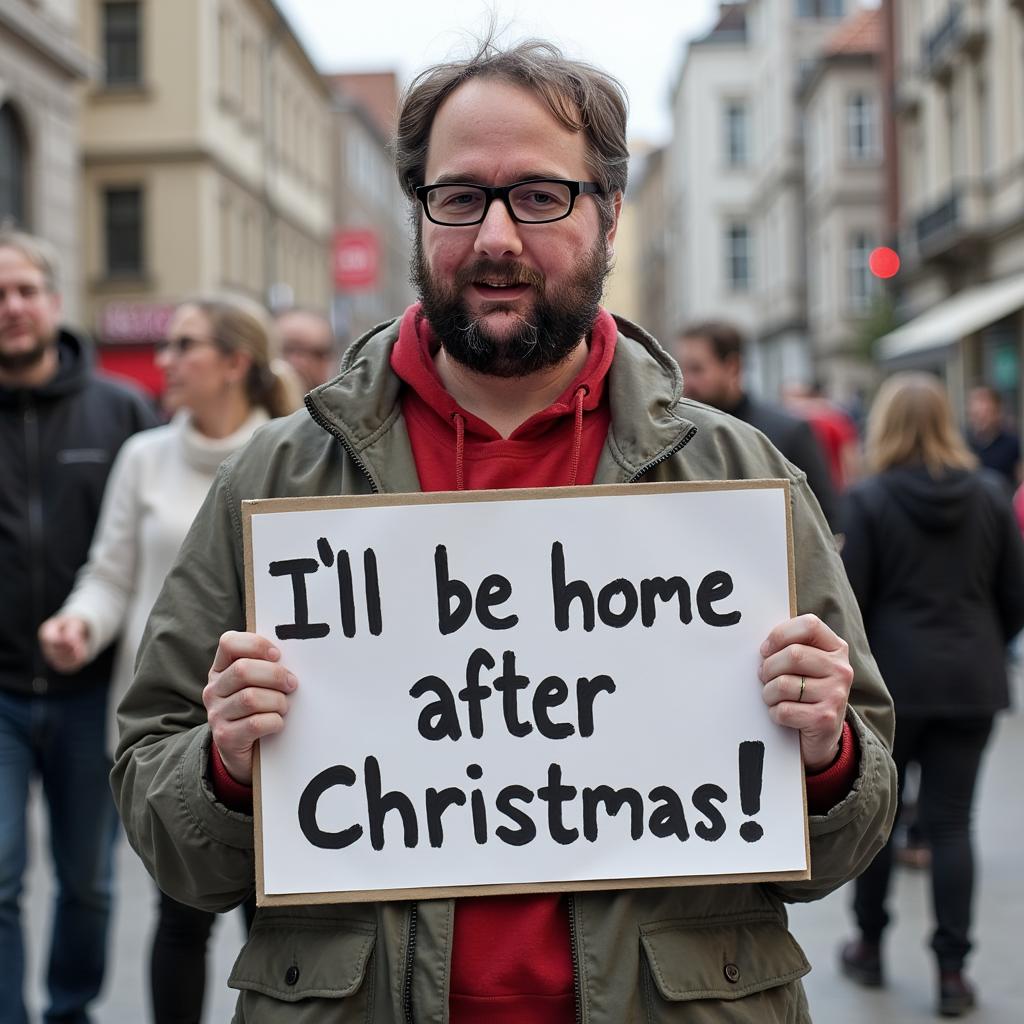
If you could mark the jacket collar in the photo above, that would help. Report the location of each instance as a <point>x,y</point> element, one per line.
<point>362,405</point>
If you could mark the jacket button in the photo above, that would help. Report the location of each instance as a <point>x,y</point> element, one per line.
<point>732,973</point>
<point>291,975</point>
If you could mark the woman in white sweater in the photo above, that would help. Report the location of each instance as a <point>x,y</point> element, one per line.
<point>220,385</point>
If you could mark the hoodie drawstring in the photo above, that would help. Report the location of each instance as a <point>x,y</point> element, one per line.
<point>460,450</point>
<point>577,436</point>
<point>577,440</point>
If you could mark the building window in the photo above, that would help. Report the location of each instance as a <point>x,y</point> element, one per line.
<point>123,231</point>
<point>862,282</point>
<point>820,8</point>
<point>738,252</point>
<point>737,147</point>
<point>121,43</point>
<point>12,167</point>
<point>860,126</point>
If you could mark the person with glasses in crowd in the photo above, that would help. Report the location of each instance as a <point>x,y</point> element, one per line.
<point>308,345</point>
<point>220,387</point>
<point>507,373</point>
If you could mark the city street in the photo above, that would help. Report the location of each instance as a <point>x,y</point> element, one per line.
<point>819,927</point>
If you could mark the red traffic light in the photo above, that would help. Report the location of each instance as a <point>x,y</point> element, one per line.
<point>883,262</point>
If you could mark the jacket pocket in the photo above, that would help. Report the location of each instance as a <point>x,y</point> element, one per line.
<point>304,971</point>
<point>741,970</point>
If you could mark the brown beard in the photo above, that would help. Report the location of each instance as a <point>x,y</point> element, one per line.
<point>17,362</point>
<point>545,338</point>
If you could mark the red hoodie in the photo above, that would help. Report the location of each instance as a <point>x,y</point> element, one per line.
<point>512,955</point>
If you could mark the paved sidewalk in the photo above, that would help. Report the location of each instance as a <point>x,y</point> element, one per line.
<point>820,927</point>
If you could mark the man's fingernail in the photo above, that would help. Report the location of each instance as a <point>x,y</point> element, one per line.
<point>273,652</point>
<point>291,680</point>
<point>764,647</point>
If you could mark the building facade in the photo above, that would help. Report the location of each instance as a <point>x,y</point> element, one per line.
<point>737,183</point>
<point>205,162</point>
<point>41,65</point>
<point>371,214</point>
<point>844,199</point>
<point>959,119</point>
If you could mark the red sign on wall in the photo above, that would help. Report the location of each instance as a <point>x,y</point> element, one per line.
<point>356,260</point>
<point>132,323</point>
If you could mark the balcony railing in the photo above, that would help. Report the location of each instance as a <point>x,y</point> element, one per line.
<point>962,29</point>
<point>939,220</point>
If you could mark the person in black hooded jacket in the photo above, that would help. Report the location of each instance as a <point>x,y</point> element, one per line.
<point>60,428</point>
<point>936,561</point>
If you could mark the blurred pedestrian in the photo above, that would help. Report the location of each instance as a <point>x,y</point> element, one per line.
<point>711,357</point>
<point>60,428</point>
<point>937,564</point>
<point>219,385</point>
<point>309,345</point>
<point>996,448</point>
<point>834,430</point>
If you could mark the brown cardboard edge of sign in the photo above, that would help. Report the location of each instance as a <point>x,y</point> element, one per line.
<point>586,885</point>
<point>262,506</point>
<point>793,612</point>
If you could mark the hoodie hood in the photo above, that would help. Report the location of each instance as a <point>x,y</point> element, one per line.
<point>75,352</point>
<point>935,505</point>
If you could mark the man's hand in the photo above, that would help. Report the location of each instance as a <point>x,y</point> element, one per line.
<point>63,639</point>
<point>246,698</point>
<point>804,654</point>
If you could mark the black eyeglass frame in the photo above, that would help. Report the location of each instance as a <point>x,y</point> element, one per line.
<point>492,192</point>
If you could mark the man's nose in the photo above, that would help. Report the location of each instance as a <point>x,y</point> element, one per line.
<point>498,234</point>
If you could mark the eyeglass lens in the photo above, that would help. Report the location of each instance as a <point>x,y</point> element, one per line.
<point>177,346</point>
<point>533,202</point>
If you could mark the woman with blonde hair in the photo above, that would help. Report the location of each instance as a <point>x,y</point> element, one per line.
<point>937,564</point>
<point>221,384</point>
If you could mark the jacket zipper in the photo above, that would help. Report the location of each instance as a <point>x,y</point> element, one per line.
<point>664,455</point>
<point>36,533</point>
<point>410,954</point>
<point>575,959</point>
<point>322,421</point>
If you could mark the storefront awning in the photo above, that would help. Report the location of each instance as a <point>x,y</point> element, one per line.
<point>953,319</point>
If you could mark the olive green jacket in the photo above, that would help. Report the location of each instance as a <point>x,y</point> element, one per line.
<point>703,954</point>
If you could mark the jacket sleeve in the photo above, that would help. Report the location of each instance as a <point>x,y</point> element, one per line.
<point>105,584</point>
<point>844,841</point>
<point>1010,578</point>
<point>858,554</point>
<point>807,454</point>
<point>199,851</point>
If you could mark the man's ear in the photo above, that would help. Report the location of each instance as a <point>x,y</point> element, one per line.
<point>617,209</point>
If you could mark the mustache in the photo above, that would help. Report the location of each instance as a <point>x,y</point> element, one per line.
<point>501,272</point>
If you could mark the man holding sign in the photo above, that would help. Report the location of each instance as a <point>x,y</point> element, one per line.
<point>507,374</point>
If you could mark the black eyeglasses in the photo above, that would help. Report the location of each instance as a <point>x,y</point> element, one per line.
<point>179,346</point>
<point>538,201</point>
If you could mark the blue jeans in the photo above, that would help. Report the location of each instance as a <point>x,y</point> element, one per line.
<point>63,740</point>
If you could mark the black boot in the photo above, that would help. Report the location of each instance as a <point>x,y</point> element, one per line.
<point>956,996</point>
<point>862,961</point>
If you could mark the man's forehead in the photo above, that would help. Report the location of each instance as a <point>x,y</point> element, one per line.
<point>489,128</point>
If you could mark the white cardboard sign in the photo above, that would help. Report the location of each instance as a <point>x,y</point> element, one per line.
<point>524,691</point>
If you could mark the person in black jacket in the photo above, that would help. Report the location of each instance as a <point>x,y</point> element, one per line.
<point>60,428</point>
<point>710,355</point>
<point>936,561</point>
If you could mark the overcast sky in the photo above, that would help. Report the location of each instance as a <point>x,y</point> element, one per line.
<point>641,42</point>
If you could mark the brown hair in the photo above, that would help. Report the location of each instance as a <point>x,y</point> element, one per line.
<point>723,337</point>
<point>582,97</point>
<point>240,325</point>
<point>39,252</point>
<point>911,424</point>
